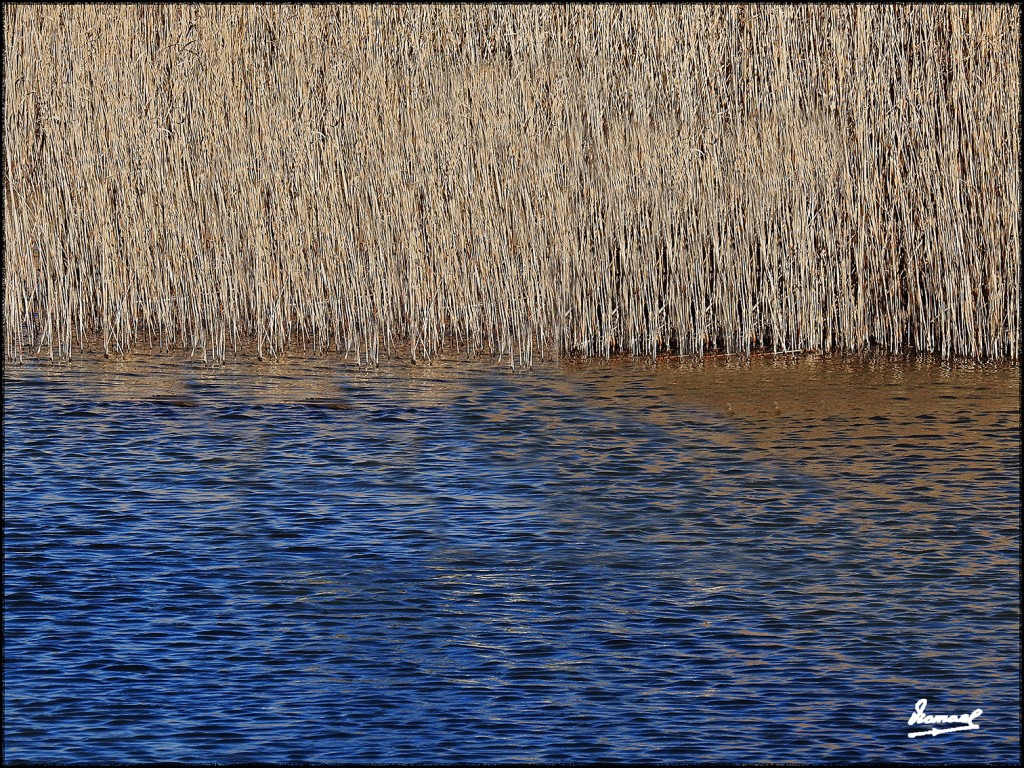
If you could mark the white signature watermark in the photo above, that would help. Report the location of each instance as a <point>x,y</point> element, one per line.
<point>920,718</point>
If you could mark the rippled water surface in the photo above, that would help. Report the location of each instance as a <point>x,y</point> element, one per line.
<point>771,560</point>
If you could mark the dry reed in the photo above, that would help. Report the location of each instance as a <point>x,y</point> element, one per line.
<point>549,180</point>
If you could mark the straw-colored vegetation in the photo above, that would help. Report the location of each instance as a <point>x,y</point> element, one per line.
<point>538,180</point>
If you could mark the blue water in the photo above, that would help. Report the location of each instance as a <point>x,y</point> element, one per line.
<point>607,561</point>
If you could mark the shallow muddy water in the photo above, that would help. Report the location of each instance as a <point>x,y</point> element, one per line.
<point>717,561</point>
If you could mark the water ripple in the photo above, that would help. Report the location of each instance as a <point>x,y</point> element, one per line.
<point>617,562</point>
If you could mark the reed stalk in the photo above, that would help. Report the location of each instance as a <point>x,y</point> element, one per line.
<point>540,180</point>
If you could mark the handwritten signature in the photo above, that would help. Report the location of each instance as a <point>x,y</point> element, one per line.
<point>920,718</point>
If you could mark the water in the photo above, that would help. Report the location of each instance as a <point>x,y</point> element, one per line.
<point>770,560</point>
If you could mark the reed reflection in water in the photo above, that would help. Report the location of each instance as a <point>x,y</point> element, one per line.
<point>629,561</point>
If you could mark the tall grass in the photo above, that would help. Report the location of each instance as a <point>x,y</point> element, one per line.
<point>540,180</point>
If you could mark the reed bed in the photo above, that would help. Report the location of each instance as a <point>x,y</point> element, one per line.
<point>539,180</point>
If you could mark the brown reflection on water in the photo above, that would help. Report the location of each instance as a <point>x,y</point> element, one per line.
<point>858,409</point>
<point>794,406</point>
<point>841,418</point>
<point>929,443</point>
